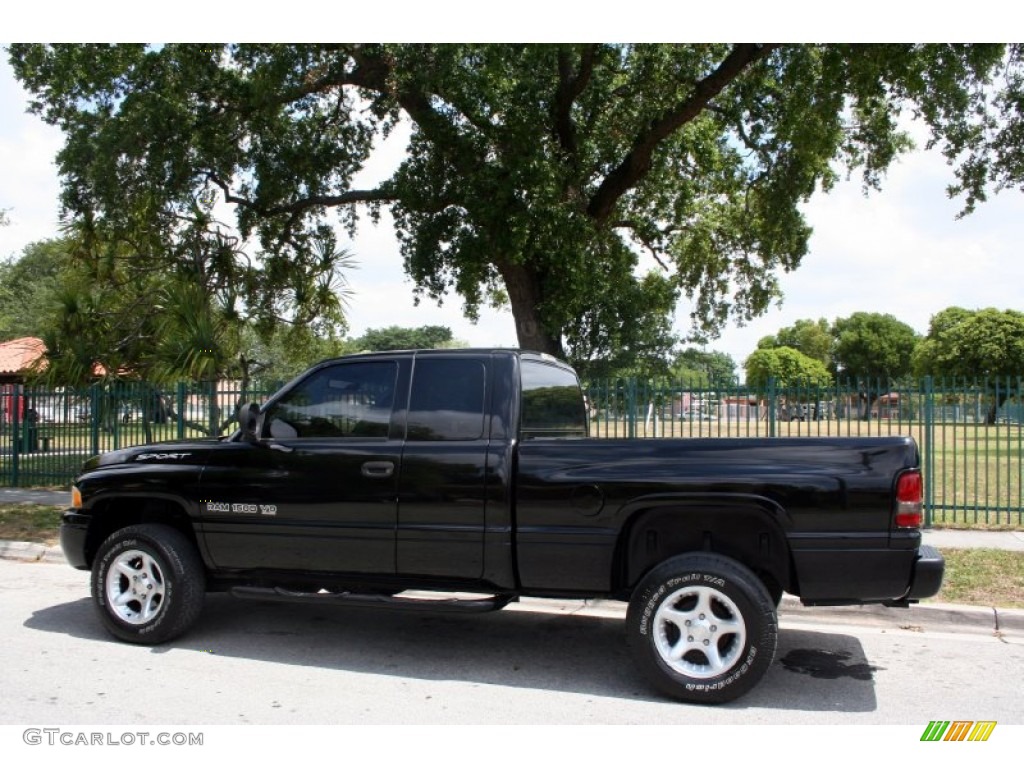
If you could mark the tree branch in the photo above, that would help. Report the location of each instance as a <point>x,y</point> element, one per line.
<point>375,73</point>
<point>305,203</point>
<point>637,163</point>
<point>372,71</point>
<point>645,241</point>
<point>570,86</point>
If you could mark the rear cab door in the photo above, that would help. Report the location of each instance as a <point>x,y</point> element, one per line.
<point>447,470</point>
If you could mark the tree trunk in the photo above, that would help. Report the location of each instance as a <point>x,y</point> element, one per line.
<point>869,400</point>
<point>525,295</point>
<point>997,403</point>
<point>244,363</point>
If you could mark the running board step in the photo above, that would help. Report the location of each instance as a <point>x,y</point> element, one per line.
<point>358,599</point>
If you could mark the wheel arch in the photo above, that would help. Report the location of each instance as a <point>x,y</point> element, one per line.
<point>747,528</point>
<point>114,513</point>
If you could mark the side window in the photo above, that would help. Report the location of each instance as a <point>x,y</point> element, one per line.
<point>447,400</point>
<point>346,400</point>
<point>553,404</point>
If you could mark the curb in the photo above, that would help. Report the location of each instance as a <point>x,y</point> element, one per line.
<point>920,617</point>
<point>931,617</point>
<point>27,552</point>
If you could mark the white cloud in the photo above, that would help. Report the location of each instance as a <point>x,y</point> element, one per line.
<point>383,295</point>
<point>900,251</point>
<point>28,178</point>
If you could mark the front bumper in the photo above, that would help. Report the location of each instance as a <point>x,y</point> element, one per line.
<point>926,575</point>
<point>74,530</point>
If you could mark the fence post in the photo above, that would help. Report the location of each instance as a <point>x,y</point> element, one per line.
<point>115,405</point>
<point>16,403</point>
<point>995,427</point>
<point>631,408</point>
<point>928,449</point>
<point>213,410</point>
<point>594,395</point>
<point>771,406</point>
<point>1020,453</point>
<point>94,420</point>
<point>179,410</point>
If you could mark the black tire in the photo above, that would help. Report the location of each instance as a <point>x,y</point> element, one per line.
<point>734,628</point>
<point>148,584</point>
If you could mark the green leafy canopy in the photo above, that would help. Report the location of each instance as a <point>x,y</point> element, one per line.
<point>973,344</point>
<point>535,174</point>
<point>871,345</point>
<point>787,367</point>
<point>811,337</point>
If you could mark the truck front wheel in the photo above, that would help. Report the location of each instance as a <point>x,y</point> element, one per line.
<point>148,583</point>
<point>702,628</point>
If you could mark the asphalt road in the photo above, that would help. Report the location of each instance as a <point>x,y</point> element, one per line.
<point>541,663</point>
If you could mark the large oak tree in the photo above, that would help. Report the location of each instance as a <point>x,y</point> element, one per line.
<point>811,337</point>
<point>971,348</point>
<point>788,368</point>
<point>973,344</point>
<point>873,346</point>
<point>535,174</point>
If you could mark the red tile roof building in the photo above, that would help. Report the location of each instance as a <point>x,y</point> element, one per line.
<point>19,356</point>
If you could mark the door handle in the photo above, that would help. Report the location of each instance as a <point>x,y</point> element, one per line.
<point>378,469</point>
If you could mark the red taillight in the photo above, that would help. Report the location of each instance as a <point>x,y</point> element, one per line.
<point>908,500</point>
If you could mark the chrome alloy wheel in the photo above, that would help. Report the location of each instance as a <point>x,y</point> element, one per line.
<point>699,632</point>
<point>135,587</point>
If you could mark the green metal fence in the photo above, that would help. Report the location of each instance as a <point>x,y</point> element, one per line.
<point>971,433</point>
<point>46,433</point>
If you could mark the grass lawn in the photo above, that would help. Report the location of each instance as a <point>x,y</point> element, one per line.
<point>983,577</point>
<point>29,522</point>
<point>39,469</point>
<point>988,577</point>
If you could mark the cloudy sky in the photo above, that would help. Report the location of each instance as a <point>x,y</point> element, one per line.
<point>900,251</point>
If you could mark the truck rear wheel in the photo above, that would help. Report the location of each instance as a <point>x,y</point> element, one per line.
<point>702,628</point>
<point>148,583</point>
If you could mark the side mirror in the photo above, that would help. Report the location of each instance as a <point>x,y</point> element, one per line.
<point>248,421</point>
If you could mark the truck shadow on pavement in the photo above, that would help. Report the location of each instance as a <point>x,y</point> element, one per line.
<point>812,671</point>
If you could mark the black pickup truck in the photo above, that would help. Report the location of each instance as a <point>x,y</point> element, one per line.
<point>470,471</point>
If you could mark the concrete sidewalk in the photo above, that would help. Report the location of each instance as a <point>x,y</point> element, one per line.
<point>948,538</point>
<point>35,496</point>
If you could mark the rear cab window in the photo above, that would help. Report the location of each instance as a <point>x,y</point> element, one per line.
<point>552,402</point>
<point>447,400</point>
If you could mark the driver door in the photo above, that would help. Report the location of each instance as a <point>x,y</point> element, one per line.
<point>319,491</point>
